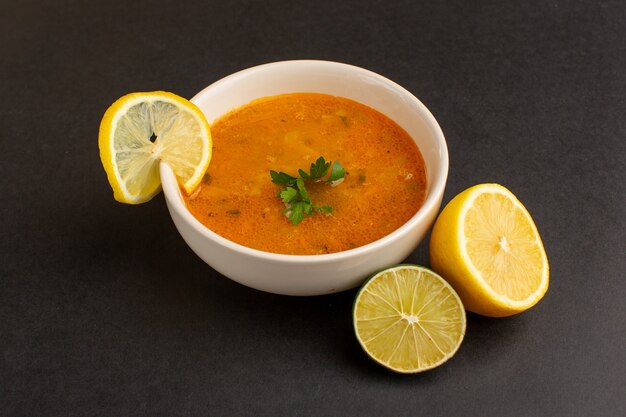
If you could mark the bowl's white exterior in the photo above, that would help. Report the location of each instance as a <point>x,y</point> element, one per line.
<point>315,274</point>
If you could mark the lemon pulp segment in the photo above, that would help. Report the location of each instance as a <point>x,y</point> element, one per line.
<point>503,246</point>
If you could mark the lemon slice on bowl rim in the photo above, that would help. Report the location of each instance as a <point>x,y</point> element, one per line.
<point>487,246</point>
<point>408,319</point>
<point>140,129</point>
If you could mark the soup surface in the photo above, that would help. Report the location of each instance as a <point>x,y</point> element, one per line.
<point>384,186</point>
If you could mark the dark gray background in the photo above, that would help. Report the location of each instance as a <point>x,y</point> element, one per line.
<point>105,311</point>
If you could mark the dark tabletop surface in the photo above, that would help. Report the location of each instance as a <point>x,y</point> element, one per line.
<point>104,311</point>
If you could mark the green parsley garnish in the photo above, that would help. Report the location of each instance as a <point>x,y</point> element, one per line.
<point>297,201</point>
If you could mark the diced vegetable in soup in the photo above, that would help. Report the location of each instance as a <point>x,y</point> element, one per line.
<point>383,187</point>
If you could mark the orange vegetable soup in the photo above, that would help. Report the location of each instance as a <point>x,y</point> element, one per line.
<point>384,185</point>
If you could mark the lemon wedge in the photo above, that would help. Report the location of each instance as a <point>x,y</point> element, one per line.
<point>409,319</point>
<point>141,129</point>
<point>487,246</point>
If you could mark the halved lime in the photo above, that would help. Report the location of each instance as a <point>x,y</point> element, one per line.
<point>408,319</point>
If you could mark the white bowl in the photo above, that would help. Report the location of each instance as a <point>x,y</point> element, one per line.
<point>315,274</point>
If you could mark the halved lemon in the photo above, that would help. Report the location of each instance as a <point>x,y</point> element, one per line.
<point>487,246</point>
<point>139,130</point>
<point>409,319</point>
